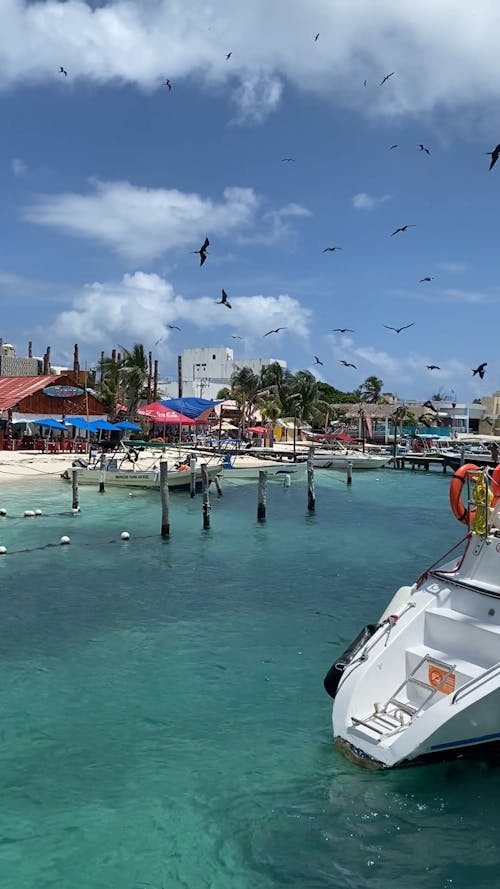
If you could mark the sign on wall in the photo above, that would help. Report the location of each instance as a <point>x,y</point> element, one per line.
<point>63,391</point>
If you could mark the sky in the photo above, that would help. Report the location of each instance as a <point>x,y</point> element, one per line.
<point>109,179</point>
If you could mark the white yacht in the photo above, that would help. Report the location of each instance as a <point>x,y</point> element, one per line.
<point>341,457</point>
<point>423,683</point>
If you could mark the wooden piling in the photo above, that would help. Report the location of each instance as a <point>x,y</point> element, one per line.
<point>74,486</point>
<point>165,502</point>
<point>261,496</point>
<point>311,495</point>
<point>102,474</point>
<point>192,486</point>
<point>349,472</point>
<point>205,497</point>
<point>218,486</point>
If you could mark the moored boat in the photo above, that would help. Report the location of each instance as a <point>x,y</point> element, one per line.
<point>340,459</point>
<point>128,473</point>
<point>423,682</point>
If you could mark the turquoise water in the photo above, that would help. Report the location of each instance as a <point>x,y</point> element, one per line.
<point>163,719</point>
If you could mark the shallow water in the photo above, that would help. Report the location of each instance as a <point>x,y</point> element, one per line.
<point>164,722</point>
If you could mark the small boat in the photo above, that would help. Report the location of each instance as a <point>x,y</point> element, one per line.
<point>423,682</point>
<point>127,473</point>
<point>339,459</point>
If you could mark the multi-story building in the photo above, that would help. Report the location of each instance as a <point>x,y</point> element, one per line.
<point>204,372</point>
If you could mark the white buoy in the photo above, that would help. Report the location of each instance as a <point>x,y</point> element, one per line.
<point>75,510</point>
<point>3,550</point>
<point>28,513</point>
<point>125,535</point>
<point>64,540</point>
<point>3,511</point>
<point>287,480</point>
<point>38,512</point>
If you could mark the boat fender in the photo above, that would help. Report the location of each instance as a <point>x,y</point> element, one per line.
<point>132,455</point>
<point>332,678</point>
<point>458,509</point>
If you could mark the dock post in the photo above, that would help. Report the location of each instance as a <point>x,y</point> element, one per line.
<point>311,496</point>
<point>74,486</point>
<point>192,466</point>
<point>205,497</point>
<point>165,500</point>
<point>261,496</point>
<point>102,474</point>
<point>349,473</point>
<point>218,486</point>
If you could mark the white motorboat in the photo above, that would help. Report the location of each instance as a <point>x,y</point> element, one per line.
<point>423,683</point>
<point>128,473</point>
<point>340,459</point>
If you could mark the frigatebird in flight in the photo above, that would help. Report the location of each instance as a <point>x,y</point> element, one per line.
<point>403,228</point>
<point>234,336</point>
<point>63,71</point>
<point>427,278</point>
<point>228,56</point>
<point>167,83</point>
<point>223,301</point>
<point>346,363</point>
<point>342,330</point>
<point>331,249</point>
<point>317,361</point>
<point>173,327</point>
<point>287,160</point>
<point>275,330</point>
<point>386,78</point>
<point>432,367</point>
<point>423,148</point>
<point>399,329</point>
<point>317,35</point>
<point>495,154</point>
<point>480,370</point>
<point>202,251</point>
<point>396,145</point>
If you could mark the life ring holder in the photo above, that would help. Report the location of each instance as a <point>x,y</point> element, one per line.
<point>132,455</point>
<point>461,512</point>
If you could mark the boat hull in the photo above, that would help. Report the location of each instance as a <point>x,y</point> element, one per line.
<point>137,478</point>
<point>276,469</point>
<point>341,461</point>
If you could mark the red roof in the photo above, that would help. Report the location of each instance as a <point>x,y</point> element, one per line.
<point>12,389</point>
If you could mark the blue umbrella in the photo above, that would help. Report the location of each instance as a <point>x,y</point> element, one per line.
<point>190,407</point>
<point>77,422</point>
<point>96,425</point>
<point>51,423</point>
<point>126,424</point>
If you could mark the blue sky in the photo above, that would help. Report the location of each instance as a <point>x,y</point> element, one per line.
<point>109,179</point>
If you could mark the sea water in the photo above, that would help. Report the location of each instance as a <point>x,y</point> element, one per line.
<point>163,721</point>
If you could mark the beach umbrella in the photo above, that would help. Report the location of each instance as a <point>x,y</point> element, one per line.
<point>77,422</point>
<point>97,425</point>
<point>190,407</point>
<point>126,424</point>
<point>50,423</point>
<point>160,414</point>
<point>259,430</point>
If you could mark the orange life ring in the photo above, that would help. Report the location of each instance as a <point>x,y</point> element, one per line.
<point>458,509</point>
<point>495,484</point>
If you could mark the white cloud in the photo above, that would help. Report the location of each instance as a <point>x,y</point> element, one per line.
<point>141,305</point>
<point>130,40</point>
<point>142,223</point>
<point>275,229</point>
<point>18,167</point>
<point>364,201</point>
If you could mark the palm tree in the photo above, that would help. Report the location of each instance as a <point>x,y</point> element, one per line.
<point>371,389</point>
<point>270,409</point>
<point>108,389</point>
<point>133,376</point>
<point>245,389</point>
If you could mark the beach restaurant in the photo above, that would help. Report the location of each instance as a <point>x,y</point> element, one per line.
<point>52,397</point>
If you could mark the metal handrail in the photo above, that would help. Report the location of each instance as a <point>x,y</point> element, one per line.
<point>469,686</point>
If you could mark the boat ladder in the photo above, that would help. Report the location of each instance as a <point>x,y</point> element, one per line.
<point>397,714</point>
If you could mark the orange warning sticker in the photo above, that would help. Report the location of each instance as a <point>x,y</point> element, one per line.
<point>436,676</point>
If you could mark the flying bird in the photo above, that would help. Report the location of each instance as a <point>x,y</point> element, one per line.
<point>399,329</point>
<point>317,361</point>
<point>495,154</point>
<point>173,327</point>
<point>287,160</point>
<point>317,35</point>
<point>395,146</point>
<point>432,367</point>
<point>331,249</point>
<point>63,71</point>
<point>423,148</point>
<point>342,330</point>
<point>234,336</point>
<point>223,301</point>
<point>403,228</point>
<point>346,363</point>
<point>276,330</point>
<point>427,278</point>
<point>228,56</point>
<point>167,83</point>
<point>386,78</point>
<point>202,251</point>
<point>480,370</point>
<point>364,82</point>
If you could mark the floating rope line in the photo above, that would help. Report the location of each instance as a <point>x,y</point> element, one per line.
<point>93,543</point>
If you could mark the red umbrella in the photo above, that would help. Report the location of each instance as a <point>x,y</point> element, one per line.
<point>165,415</point>
<point>259,430</point>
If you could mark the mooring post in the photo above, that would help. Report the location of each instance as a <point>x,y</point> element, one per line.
<point>218,486</point>
<point>165,504</point>
<point>192,466</point>
<point>74,486</point>
<point>102,473</point>
<point>311,496</point>
<point>205,497</point>
<point>261,496</point>
<point>349,472</point>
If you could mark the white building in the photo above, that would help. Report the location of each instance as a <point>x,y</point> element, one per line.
<point>206,371</point>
